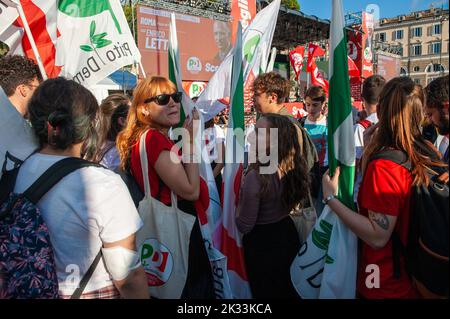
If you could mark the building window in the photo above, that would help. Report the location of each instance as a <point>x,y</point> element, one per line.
<point>398,35</point>
<point>416,69</point>
<point>436,67</point>
<point>417,81</point>
<point>436,48</point>
<point>437,29</point>
<point>417,32</point>
<point>416,49</point>
<point>403,71</point>
<point>382,36</point>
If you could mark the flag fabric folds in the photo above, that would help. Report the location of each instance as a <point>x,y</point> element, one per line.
<point>326,264</point>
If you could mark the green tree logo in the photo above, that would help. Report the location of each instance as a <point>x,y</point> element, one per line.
<point>97,41</point>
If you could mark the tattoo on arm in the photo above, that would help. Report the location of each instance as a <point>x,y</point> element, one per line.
<point>380,219</point>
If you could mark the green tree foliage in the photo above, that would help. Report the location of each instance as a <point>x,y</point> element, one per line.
<point>291,4</point>
<point>3,49</point>
<point>129,15</point>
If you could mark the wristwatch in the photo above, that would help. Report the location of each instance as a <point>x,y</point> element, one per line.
<point>326,200</point>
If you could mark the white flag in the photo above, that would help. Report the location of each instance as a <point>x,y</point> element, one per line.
<point>8,14</point>
<point>95,40</point>
<point>257,40</point>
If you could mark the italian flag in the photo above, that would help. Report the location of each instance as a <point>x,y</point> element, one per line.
<point>207,206</point>
<point>326,264</point>
<point>231,245</point>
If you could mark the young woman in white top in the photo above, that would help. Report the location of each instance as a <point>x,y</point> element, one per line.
<point>89,209</point>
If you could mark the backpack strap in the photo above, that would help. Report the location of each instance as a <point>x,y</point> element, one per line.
<point>44,183</point>
<point>395,156</point>
<point>53,175</point>
<point>398,248</point>
<point>303,120</point>
<point>87,276</point>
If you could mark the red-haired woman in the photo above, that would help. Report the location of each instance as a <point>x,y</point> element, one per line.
<point>156,108</point>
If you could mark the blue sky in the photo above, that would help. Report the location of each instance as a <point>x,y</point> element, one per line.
<point>388,8</point>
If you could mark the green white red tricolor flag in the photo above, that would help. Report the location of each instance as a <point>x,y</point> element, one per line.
<point>231,245</point>
<point>326,264</point>
<point>207,206</point>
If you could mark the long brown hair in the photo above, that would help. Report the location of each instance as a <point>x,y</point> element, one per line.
<point>291,164</point>
<point>400,114</point>
<point>112,107</point>
<point>137,122</point>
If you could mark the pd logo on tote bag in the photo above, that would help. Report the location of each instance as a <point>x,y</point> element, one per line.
<point>157,261</point>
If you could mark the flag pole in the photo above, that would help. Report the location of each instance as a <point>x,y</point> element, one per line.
<point>31,39</point>
<point>142,69</point>
<point>272,60</point>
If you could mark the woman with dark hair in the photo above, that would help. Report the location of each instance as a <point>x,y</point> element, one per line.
<point>112,118</point>
<point>88,210</point>
<point>270,238</point>
<point>385,191</point>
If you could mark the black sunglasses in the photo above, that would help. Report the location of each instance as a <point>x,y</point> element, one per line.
<point>164,99</point>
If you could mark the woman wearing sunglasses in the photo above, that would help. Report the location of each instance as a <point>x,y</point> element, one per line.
<point>156,108</point>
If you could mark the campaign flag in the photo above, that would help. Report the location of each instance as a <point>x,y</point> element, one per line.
<point>8,14</point>
<point>296,56</point>
<point>352,68</point>
<point>326,264</point>
<point>81,40</point>
<point>41,16</point>
<point>257,40</point>
<point>94,41</point>
<point>207,206</point>
<point>317,78</point>
<point>313,51</point>
<point>231,245</point>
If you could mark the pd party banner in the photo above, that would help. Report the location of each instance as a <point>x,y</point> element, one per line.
<point>203,43</point>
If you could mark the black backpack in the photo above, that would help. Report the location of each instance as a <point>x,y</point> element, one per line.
<point>427,250</point>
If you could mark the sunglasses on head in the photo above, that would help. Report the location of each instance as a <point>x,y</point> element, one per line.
<point>164,99</point>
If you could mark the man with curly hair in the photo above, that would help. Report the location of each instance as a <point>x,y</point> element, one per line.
<point>19,78</point>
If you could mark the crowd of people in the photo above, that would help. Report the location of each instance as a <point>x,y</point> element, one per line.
<point>95,209</point>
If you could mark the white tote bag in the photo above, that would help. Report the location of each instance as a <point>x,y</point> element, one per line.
<point>163,241</point>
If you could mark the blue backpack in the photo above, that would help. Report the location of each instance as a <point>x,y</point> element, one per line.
<point>27,265</point>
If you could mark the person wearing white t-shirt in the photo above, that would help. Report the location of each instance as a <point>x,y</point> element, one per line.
<point>89,209</point>
<point>371,90</point>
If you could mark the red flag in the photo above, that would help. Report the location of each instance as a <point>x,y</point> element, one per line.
<point>296,56</point>
<point>313,51</point>
<point>41,17</point>
<point>352,68</point>
<point>317,78</point>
